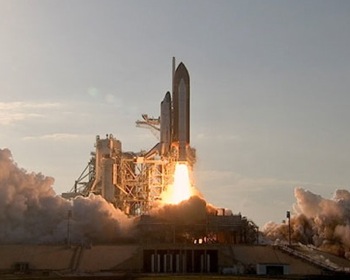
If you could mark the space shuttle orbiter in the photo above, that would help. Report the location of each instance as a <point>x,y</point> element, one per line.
<point>175,115</point>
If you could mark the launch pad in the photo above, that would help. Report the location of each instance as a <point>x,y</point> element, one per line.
<point>172,240</point>
<point>135,182</point>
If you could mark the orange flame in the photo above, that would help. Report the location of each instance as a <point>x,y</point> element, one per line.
<point>181,188</point>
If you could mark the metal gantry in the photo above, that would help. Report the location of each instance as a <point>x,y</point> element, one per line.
<point>137,180</point>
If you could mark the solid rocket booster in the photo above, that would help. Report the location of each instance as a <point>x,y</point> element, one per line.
<point>181,111</point>
<point>165,124</point>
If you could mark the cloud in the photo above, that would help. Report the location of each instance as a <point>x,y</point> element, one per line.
<point>319,221</point>
<point>10,106</point>
<point>31,212</point>
<point>11,112</point>
<point>9,118</point>
<point>58,137</point>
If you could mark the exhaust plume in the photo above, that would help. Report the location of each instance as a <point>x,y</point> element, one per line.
<point>31,212</point>
<point>192,210</point>
<point>324,223</point>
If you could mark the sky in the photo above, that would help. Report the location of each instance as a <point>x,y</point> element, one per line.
<point>269,90</point>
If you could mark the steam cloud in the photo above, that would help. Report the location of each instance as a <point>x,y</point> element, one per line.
<point>193,210</point>
<point>325,223</point>
<point>31,212</point>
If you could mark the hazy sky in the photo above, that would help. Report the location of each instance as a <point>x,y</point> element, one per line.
<point>269,90</point>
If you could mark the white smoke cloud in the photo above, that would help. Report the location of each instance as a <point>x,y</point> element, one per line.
<point>31,212</point>
<point>322,222</point>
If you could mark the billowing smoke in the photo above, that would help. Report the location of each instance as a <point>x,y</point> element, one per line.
<point>324,223</point>
<point>193,210</point>
<point>31,212</point>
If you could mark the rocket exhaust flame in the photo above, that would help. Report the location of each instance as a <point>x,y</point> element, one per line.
<point>181,189</point>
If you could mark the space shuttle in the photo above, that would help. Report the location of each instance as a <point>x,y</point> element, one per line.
<point>175,116</point>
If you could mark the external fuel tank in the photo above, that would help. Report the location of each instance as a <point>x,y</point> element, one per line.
<point>181,110</point>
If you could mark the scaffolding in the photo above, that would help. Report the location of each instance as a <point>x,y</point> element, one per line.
<point>132,182</point>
